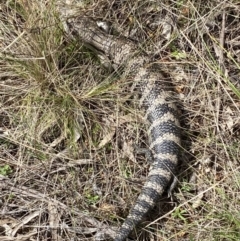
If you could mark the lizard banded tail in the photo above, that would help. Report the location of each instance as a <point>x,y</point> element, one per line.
<point>160,113</point>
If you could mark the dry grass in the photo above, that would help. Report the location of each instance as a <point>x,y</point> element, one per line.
<point>68,169</point>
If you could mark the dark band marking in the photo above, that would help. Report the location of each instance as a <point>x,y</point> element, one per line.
<point>159,111</point>
<point>166,147</point>
<point>164,128</point>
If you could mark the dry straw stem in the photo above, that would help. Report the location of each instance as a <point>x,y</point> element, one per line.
<point>68,125</point>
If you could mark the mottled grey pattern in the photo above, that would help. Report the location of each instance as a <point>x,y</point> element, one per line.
<point>160,113</point>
